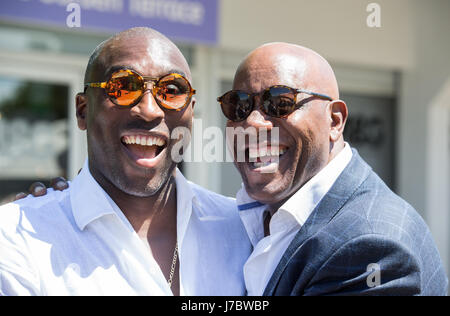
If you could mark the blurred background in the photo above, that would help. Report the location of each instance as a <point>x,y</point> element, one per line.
<point>393,70</point>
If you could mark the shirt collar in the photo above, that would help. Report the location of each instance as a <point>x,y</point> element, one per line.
<point>88,200</point>
<point>305,200</point>
<point>251,213</point>
<point>299,206</point>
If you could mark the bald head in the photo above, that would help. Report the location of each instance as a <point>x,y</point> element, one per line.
<point>286,64</point>
<point>158,47</point>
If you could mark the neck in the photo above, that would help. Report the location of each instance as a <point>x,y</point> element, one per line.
<point>158,211</point>
<point>335,149</point>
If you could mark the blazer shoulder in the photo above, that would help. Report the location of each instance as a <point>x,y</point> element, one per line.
<point>384,212</point>
<point>377,211</point>
<point>374,210</point>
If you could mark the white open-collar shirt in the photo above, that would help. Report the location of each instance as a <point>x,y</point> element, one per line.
<point>284,224</point>
<point>78,242</point>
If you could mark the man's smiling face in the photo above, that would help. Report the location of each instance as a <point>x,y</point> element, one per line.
<point>130,147</point>
<point>303,147</point>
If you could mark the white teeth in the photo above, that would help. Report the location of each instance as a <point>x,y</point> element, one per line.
<point>144,140</point>
<point>263,152</point>
<point>266,152</point>
<point>253,153</point>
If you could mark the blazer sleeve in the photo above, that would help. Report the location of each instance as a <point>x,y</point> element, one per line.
<point>368,265</point>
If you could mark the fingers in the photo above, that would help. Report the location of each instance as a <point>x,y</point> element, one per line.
<point>20,196</point>
<point>59,184</point>
<point>38,189</point>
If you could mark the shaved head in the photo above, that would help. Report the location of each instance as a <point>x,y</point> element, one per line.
<point>103,53</point>
<point>296,64</point>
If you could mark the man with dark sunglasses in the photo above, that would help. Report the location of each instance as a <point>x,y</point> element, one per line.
<point>320,220</point>
<point>130,223</point>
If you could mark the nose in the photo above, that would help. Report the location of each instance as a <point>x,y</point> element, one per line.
<point>147,109</point>
<point>258,120</point>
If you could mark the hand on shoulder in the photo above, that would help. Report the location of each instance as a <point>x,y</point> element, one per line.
<point>39,189</point>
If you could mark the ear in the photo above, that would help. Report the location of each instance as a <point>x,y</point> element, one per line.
<point>194,101</point>
<point>338,113</point>
<point>81,110</point>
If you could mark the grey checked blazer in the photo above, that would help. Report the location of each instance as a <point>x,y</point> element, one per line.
<point>358,223</point>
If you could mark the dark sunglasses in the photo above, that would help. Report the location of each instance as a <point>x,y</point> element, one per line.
<point>276,101</point>
<point>126,88</point>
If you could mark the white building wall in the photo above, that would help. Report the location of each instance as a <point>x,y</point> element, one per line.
<point>336,29</point>
<point>423,89</point>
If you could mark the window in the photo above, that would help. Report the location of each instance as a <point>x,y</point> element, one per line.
<point>33,133</point>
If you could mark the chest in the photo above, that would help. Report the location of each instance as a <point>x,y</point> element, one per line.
<point>97,262</point>
<point>105,259</point>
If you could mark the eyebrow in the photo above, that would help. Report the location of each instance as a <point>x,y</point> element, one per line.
<point>177,72</point>
<point>113,69</point>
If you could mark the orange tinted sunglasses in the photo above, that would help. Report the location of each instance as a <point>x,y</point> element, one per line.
<point>126,88</point>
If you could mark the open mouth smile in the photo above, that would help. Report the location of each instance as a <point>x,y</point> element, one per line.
<point>144,150</point>
<point>265,159</point>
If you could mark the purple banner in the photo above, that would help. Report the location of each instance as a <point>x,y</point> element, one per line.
<point>193,21</point>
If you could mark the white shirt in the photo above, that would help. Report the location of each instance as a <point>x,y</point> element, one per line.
<point>284,224</point>
<point>78,242</point>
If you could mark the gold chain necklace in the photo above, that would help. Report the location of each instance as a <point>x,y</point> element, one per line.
<point>174,265</point>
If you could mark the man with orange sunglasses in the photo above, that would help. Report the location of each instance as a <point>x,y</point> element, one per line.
<point>130,223</point>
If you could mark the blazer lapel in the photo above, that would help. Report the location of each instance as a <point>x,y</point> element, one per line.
<point>345,186</point>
